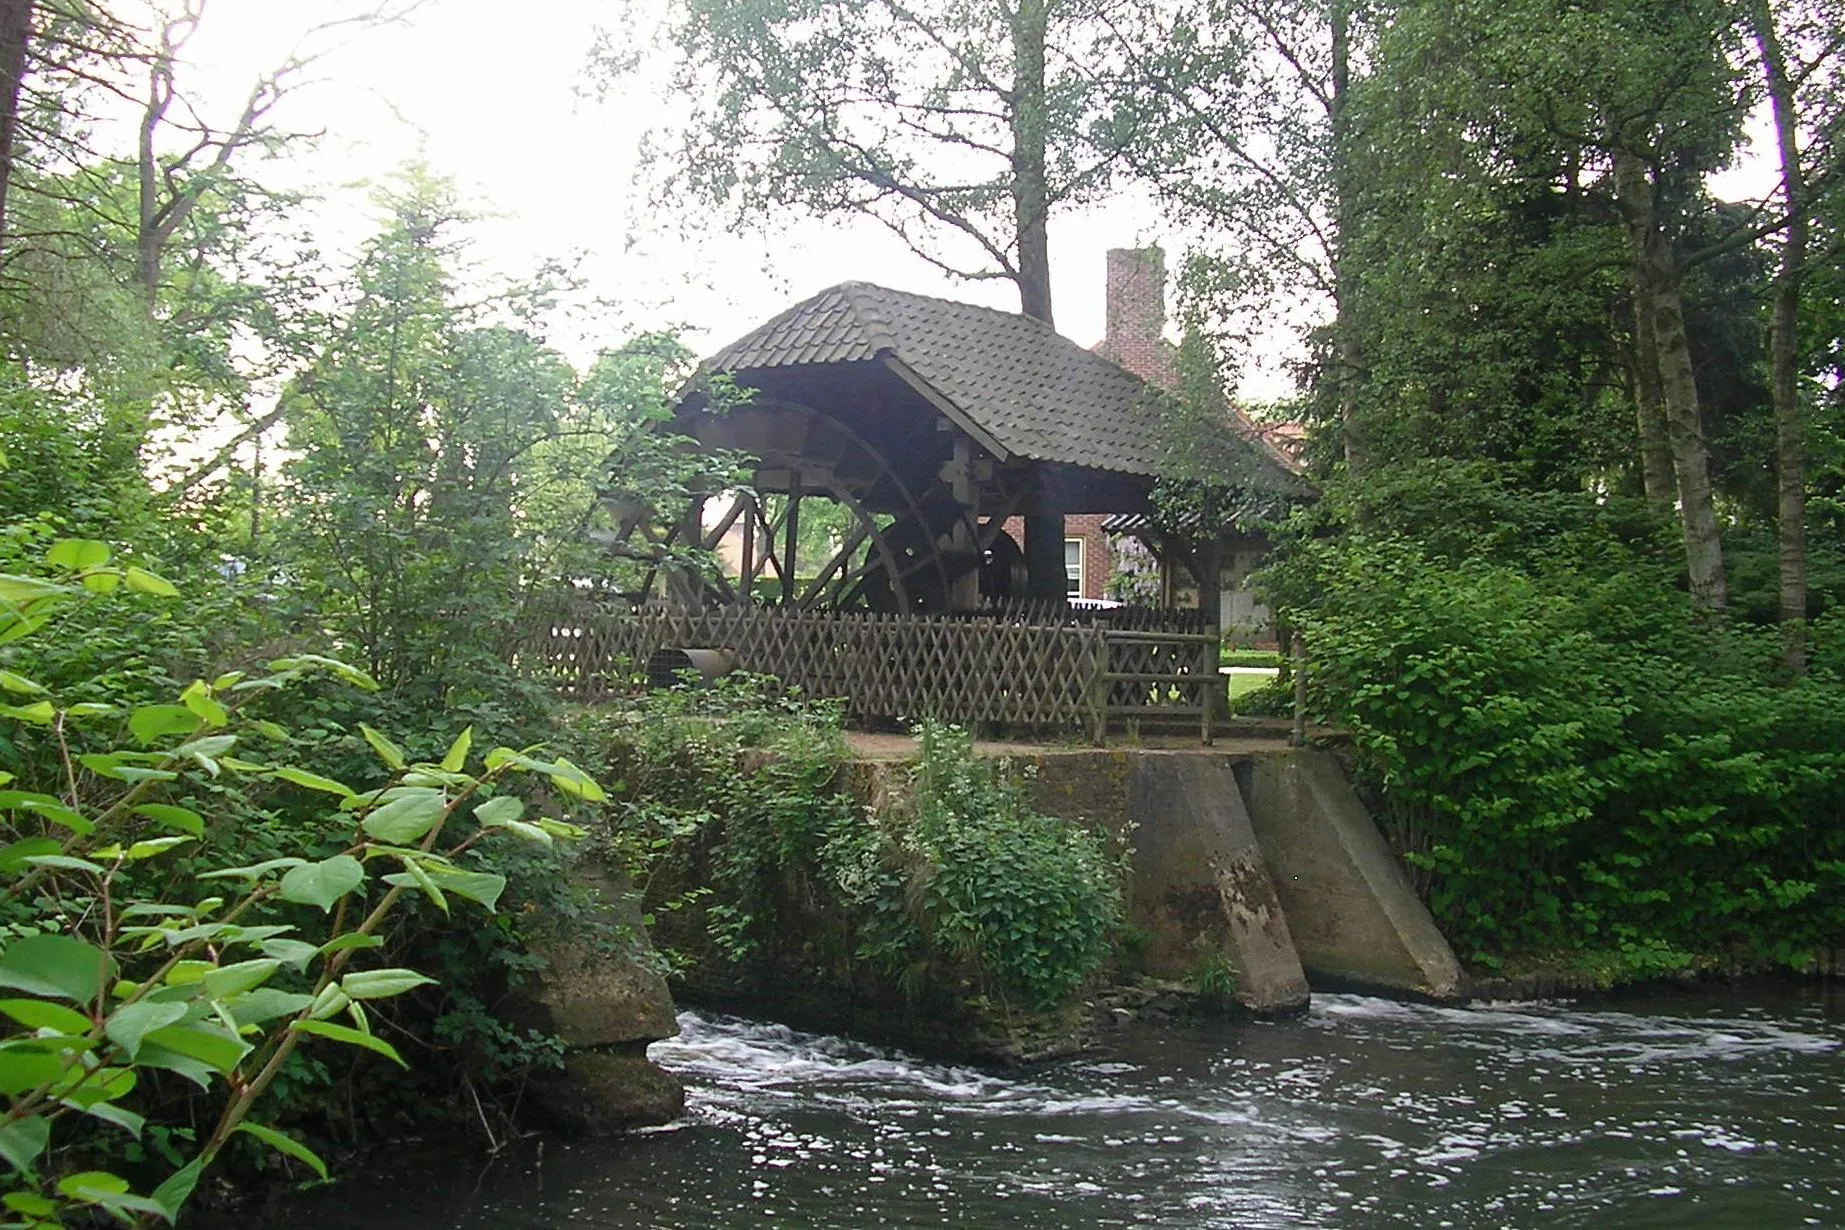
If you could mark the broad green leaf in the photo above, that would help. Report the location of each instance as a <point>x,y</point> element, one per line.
<point>313,661</point>
<point>481,886</point>
<point>270,730</point>
<point>313,781</point>
<point>210,746</point>
<point>150,722</point>
<point>23,1141</point>
<point>229,980</point>
<point>86,1088</point>
<point>458,751</point>
<point>77,554</point>
<point>30,1203</point>
<point>104,582</point>
<point>127,1027</point>
<point>499,810</point>
<point>199,931</point>
<point>257,935</point>
<point>89,709</point>
<point>38,1014</point>
<point>413,876</point>
<point>531,832</point>
<point>154,846</point>
<point>25,1064</point>
<point>20,591</point>
<point>186,973</point>
<point>293,953</point>
<point>431,776</point>
<point>209,1043</point>
<point>286,1144</point>
<point>109,1112</point>
<point>406,818</point>
<point>572,780</point>
<point>173,1194</point>
<point>48,807</point>
<point>65,862</point>
<point>153,1055</point>
<point>266,1004</point>
<point>352,1037</point>
<point>40,714</point>
<point>352,939</point>
<point>91,1180</point>
<point>387,750</point>
<point>180,819</point>
<point>144,582</point>
<point>19,685</point>
<point>563,830</point>
<point>108,1192</point>
<point>56,965</point>
<point>198,698</point>
<point>128,774</point>
<point>323,883</point>
<point>14,856</point>
<point>255,871</point>
<point>330,1002</point>
<point>156,909</point>
<point>382,983</point>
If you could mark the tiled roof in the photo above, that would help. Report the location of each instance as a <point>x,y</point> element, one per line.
<point>1034,392</point>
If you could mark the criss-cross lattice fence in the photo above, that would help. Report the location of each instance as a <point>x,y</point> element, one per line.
<point>1017,667</point>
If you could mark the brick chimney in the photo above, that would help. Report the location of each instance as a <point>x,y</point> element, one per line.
<point>1136,316</point>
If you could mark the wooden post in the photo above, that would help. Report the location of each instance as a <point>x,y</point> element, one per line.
<point>793,529</point>
<point>684,587</point>
<point>1044,568</point>
<point>1297,737</point>
<point>1098,684</point>
<point>964,590</point>
<point>1211,611</point>
<point>746,575</point>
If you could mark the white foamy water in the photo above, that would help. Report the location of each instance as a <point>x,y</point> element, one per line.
<point>1688,1111</point>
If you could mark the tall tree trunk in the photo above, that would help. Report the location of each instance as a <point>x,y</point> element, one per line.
<point>1784,350</point>
<point>1030,191</point>
<point>1656,290</point>
<point>1649,414</point>
<point>1347,355</point>
<point>15,42</point>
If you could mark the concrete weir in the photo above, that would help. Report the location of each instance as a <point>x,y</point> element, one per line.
<point>1259,857</point>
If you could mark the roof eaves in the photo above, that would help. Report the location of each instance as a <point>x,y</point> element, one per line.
<point>959,417</point>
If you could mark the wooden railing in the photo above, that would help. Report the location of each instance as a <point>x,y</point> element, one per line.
<point>1076,671</point>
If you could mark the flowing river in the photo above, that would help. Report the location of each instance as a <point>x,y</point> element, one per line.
<point>1722,1109</point>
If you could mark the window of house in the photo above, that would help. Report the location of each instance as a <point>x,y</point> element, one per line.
<point>1073,567</point>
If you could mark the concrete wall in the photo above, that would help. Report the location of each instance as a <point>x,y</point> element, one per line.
<point>1265,858</point>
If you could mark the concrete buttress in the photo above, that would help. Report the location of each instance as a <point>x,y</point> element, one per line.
<point>1354,916</point>
<point>1201,890</point>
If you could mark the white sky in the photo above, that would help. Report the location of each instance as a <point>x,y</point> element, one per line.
<point>490,95</point>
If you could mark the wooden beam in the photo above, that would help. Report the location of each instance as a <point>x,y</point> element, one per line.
<point>956,415</point>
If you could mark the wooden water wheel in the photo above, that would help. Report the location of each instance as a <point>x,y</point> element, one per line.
<point>888,548</point>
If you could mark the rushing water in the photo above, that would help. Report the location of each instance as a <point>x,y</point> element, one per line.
<point>1687,1111</point>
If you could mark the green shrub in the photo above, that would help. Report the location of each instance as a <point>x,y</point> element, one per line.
<point>1570,761</point>
<point>156,923</point>
<point>952,872</point>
